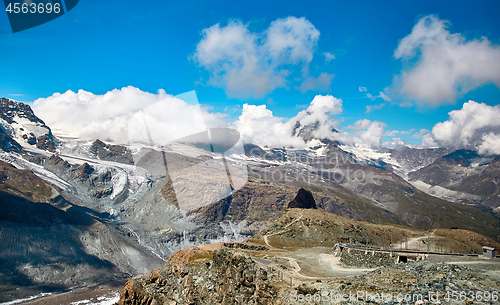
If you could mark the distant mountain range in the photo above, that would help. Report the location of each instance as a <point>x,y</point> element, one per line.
<point>105,211</point>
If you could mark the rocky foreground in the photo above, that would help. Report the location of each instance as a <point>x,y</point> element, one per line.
<point>284,264</point>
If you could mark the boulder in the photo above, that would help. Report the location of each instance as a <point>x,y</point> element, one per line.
<point>303,200</point>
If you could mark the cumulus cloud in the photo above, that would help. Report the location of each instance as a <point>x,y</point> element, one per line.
<point>245,63</point>
<point>362,89</point>
<point>420,134</point>
<point>396,143</point>
<point>476,125</point>
<point>328,56</point>
<point>90,116</point>
<point>428,141</point>
<point>490,145</point>
<point>441,65</point>
<point>363,132</point>
<point>258,125</point>
<point>111,117</point>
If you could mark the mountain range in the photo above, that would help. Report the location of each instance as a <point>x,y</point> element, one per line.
<point>78,211</point>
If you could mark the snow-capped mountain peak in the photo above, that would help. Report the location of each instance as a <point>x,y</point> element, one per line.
<point>19,122</point>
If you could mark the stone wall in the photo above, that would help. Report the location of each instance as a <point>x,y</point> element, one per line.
<point>366,259</point>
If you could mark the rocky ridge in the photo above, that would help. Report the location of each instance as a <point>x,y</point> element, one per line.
<point>19,122</point>
<point>242,273</point>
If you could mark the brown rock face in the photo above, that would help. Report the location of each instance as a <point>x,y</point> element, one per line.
<point>232,277</point>
<point>133,293</point>
<point>45,142</point>
<point>303,200</point>
<point>108,152</point>
<point>10,108</point>
<point>58,162</point>
<point>85,170</point>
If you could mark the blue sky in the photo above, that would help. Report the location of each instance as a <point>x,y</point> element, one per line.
<point>103,45</point>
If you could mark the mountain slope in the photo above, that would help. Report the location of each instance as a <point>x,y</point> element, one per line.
<point>470,178</point>
<point>371,193</point>
<point>113,204</point>
<point>294,257</point>
<point>44,237</point>
<point>20,123</point>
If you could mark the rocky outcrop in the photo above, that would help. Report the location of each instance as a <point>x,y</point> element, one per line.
<point>93,182</point>
<point>249,273</point>
<point>22,123</point>
<point>9,109</point>
<point>49,243</point>
<point>303,200</point>
<point>8,144</point>
<point>45,142</point>
<point>108,152</point>
<point>57,164</point>
<point>309,132</point>
<point>231,277</point>
<point>84,171</point>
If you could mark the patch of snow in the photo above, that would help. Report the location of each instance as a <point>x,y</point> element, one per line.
<point>23,126</point>
<point>27,299</point>
<point>321,152</point>
<point>30,127</point>
<point>366,153</point>
<point>123,175</point>
<point>20,163</point>
<point>443,193</point>
<point>102,300</point>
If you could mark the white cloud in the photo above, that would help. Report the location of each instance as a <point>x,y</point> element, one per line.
<point>422,132</point>
<point>475,125</point>
<point>291,40</point>
<point>391,133</point>
<point>370,108</point>
<point>442,65</point>
<point>428,141</point>
<point>408,131</point>
<point>322,82</point>
<point>384,96</point>
<point>106,117</point>
<point>490,145</point>
<point>364,132</point>
<point>397,142</point>
<point>253,64</point>
<point>373,97</point>
<point>328,56</point>
<point>258,125</point>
